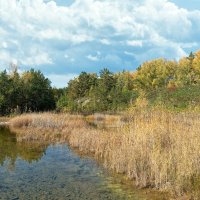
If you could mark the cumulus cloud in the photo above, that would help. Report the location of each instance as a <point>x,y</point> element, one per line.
<point>63,36</point>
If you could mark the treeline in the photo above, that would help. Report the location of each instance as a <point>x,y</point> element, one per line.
<point>164,83</point>
<point>92,93</point>
<point>170,84</point>
<point>29,92</point>
<point>160,82</point>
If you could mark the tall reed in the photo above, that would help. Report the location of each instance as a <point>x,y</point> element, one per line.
<point>45,127</point>
<point>155,148</point>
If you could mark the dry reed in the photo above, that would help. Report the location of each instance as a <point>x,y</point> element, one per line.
<point>46,127</point>
<point>156,149</point>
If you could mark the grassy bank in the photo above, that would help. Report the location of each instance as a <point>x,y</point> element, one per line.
<point>156,149</point>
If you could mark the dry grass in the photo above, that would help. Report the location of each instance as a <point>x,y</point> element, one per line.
<point>46,126</point>
<point>4,119</point>
<point>156,148</point>
<point>105,120</point>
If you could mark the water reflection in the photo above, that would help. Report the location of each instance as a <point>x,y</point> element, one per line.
<point>35,171</point>
<point>10,150</point>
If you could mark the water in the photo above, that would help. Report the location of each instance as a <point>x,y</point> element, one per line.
<point>41,171</point>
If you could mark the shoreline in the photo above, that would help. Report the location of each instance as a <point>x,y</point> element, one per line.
<point>153,149</point>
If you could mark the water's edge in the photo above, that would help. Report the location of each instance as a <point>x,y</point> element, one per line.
<point>67,172</point>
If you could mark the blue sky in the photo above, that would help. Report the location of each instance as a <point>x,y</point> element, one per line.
<point>64,37</point>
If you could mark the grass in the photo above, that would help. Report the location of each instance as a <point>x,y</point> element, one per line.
<point>156,149</point>
<point>4,119</point>
<point>46,127</point>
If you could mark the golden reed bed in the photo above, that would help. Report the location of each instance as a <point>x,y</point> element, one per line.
<point>156,149</point>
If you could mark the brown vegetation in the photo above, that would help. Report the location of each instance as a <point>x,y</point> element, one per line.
<point>4,119</point>
<point>156,149</point>
<point>46,127</point>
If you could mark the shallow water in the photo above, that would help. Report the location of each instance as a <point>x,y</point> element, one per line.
<point>39,171</point>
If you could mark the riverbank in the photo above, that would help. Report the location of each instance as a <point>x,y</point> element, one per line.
<point>47,171</point>
<point>156,149</point>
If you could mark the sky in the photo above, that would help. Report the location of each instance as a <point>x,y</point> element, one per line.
<point>65,37</point>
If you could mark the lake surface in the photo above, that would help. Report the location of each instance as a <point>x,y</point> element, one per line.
<point>41,171</point>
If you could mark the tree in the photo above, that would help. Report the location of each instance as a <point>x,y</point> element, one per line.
<point>17,96</point>
<point>154,75</point>
<point>123,92</point>
<point>5,93</point>
<point>77,95</point>
<point>37,91</point>
<point>105,85</point>
<point>196,68</point>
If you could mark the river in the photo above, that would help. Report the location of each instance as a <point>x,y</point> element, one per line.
<point>46,171</point>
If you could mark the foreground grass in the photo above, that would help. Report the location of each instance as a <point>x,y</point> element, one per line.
<point>156,149</point>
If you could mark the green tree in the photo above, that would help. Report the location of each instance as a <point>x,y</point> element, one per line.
<point>123,92</point>
<point>5,93</point>
<point>105,86</point>
<point>76,97</point>
<point>38,92</point>
<point>17,95</point>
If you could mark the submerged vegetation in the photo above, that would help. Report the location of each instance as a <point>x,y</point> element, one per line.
<point>11,150</point>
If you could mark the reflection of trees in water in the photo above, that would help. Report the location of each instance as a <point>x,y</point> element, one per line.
<point>10,149</point>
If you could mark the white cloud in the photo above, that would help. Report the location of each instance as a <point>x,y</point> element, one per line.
<point>37,59</point>
<point>135,43</point>
<point>50,34</point>
<point>129,53</point>
<point>4,45</point>
<point>38,32</point>
<point>5,56</point>
<point>105,41</point>
<point>93,58</point>
<point>33,58</point>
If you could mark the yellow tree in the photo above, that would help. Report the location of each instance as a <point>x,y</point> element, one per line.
<point>196,67</point>
<point>155,74</point>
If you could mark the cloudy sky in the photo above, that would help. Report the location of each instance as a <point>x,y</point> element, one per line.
<point>64,37</point>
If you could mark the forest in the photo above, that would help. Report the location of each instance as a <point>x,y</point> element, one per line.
<point>169,84</point>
